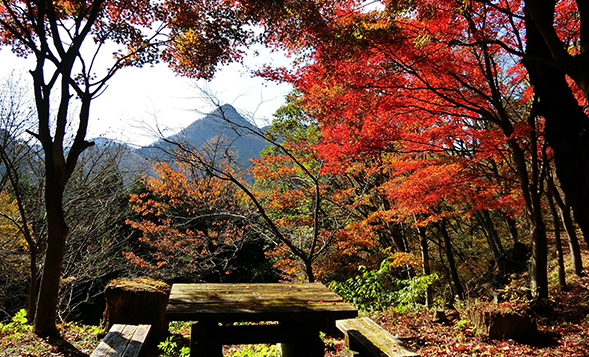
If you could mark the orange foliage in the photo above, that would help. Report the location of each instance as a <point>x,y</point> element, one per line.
<point>183,220</point>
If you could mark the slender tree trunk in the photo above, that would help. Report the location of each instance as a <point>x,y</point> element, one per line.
<point>574,245</point>
<point>565,213</point>
<point>450,256</point>
<point>531,187</point>
<point>511,224</point>
<point>426,266</point>
<point>556,220</point>
<point>493,233</point>
<point>13,175</point>
<point>32,299</point>
<point>309,271</point>
<point>445,267</point>
<point>497,257</point>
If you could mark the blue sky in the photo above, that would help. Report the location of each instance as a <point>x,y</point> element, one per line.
<point>154,96</point>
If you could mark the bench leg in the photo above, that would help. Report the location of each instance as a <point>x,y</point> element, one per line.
<point>203,341</point>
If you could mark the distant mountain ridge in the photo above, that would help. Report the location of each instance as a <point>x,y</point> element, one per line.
<point>223,129</point>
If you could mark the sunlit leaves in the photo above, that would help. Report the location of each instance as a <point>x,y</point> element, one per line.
<point>187,220</point>
<point>14,262</point>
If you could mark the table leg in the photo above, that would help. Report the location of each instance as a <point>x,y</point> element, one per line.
<point>309,345</point>
<point>204,342</point>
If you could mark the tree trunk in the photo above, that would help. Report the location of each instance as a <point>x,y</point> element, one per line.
<point>539,260</point>
<point>426,266</point>
<point>451,263</point>
<point>493,233</point>
<point>574,245</point>
<point>309,271</point>
<point>566,125</point>
<point>511,224</point>
<point>32,299</point>
<point>556,222</point>
<point>497,256</point>
<point>14,177</point>
<point>57,231</point>
<point>565,213</point>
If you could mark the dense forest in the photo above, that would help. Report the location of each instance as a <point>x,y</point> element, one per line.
<point>432,153</point>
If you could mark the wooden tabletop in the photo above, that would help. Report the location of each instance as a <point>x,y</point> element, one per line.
<point>255,302</point>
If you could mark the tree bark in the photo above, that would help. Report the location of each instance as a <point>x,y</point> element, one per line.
<point>450,255</point>
<point>58,170</point>
<point>511,224</point>
<point>566,125</point>
<point>574,245</point>
<point>426,265</point>
<point>57,231</point>
<point>497,256</point>
<point>565,213</point>
<point>560,257</point>
<point>539,258</point>
<point>493,233</point>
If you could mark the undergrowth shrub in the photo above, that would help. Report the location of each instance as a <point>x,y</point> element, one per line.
<point>14,330</point>
<point>380,289</point>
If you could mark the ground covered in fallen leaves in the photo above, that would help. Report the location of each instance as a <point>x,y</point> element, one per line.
<point>563,330</point>
<point>563,324</point>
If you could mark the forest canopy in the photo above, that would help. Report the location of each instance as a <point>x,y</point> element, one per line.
<point>438,143</point>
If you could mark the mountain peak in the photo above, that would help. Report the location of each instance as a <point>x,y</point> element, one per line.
<point>222,125</point>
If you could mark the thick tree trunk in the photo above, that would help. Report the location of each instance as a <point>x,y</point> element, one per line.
<point>57,231</point>
<point>539,260</point>
<point>566,125</point>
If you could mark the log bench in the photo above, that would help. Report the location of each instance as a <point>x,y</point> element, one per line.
<point>363,338</point>
<point>122,341</point>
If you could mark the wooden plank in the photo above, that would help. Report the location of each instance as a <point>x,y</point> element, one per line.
<point>255,302</point>
<point>109,340</point>
<point>201,297</point>
<point>122,341</point>
<point>369,339</point>
<point>120,346</point>
<point>260,311</point>
<point>261,289</point>
<point>197,288</point>
<point>137,336</point>
<point>245,286</point>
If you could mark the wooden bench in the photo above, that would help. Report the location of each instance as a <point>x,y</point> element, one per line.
<point>122,341</point>
<point>363,338</point>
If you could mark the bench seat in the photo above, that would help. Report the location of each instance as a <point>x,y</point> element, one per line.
<point>122,341</point>
<point>363,338</point>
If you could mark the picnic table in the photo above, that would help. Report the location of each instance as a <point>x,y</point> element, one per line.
<point>290,314</point>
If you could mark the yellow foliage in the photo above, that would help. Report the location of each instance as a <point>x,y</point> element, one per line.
<point>401,259</point>
<point>12,239</point>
